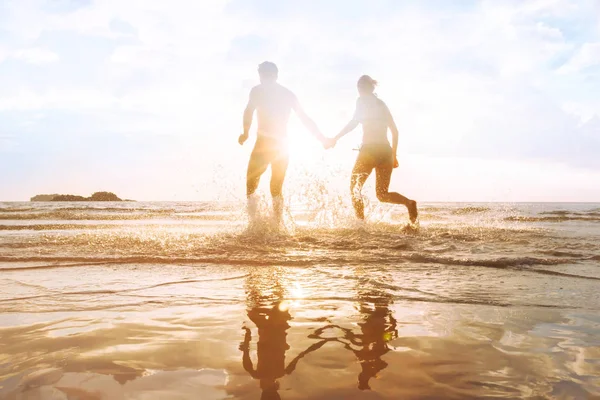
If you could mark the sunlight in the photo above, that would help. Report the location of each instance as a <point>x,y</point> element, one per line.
<point>296,293</point>
<point>304,148</point>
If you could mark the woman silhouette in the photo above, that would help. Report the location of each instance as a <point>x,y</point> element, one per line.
<point>375,151</point>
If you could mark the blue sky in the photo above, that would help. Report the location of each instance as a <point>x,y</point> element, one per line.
<point>495,100</point>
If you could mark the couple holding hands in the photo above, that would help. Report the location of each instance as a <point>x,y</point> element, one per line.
<point>273,104</point>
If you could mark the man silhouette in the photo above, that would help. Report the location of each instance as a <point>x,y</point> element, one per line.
<point>273,104</point>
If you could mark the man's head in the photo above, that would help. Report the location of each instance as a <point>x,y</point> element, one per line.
<point>366,85</point>
<point>267,71</point>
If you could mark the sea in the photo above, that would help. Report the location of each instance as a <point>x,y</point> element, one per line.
<point>183,300</point>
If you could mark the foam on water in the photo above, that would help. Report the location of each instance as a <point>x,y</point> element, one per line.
<point>316,233</point>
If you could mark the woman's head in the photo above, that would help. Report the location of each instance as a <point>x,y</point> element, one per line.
<point>366,85</point>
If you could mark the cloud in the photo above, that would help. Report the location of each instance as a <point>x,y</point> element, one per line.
<point>75,100</point>
<point>7,143</point>
<point>3,53</point>
<point>506,80</point>
<point>36,56</point>
<point>587,56</point>
<point>537,130</point>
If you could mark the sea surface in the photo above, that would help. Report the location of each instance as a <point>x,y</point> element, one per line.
<point>149,300</point>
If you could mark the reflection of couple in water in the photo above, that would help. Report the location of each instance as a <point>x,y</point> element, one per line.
<point>376,329</point>
<point>270,314</point>
<point>274,103</point>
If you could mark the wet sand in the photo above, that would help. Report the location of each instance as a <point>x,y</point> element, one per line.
<point>175,332</point>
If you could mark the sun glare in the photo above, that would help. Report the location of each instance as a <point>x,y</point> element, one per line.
<point>304,149</point>
<point>297,291</point>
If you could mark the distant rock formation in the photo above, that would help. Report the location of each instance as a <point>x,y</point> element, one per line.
<point>98,196</point>
<point>43,197</point>
<point>69,197</point>
<point>103,196</point>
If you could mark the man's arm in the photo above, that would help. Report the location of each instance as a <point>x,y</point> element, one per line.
<point>308,122</point>
<point>248,114</point>
<point>394,130</point>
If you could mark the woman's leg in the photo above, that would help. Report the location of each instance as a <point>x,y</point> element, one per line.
<point>382,184</point>
<point>360,173</point>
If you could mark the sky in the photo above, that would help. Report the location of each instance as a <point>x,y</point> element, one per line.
<point>495,100</point>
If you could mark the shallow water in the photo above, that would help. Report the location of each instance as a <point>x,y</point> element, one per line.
<point>180,300</point>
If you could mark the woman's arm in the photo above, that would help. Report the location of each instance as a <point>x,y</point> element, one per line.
<point>394,129</point>
<point>350,126</point>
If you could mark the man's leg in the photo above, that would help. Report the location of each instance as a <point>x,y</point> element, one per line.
<point>256,167</point>
<point>278,171</point>
<point>360,173</point>
<point>382,185</point>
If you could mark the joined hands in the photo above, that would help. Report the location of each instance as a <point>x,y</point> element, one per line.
<point>329,143</point>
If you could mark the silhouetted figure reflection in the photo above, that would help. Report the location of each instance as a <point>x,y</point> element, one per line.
<point>377,328</point>
<point>269,312</point>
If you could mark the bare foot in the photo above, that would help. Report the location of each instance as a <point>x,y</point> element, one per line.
<point>413,214</point>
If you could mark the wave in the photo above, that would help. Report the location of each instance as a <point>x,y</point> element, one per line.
<point>501,262</point>
<point>16,209</point>
<point>470,210</point>
<point>159,223</point>
<point>300,261</point>
<point>558,253</point>
<point>379,242</point>
<point>551,219</point>
<point>136,303</point>
<point>90,216</point>
<point>53,227</point>
<point>194,300</point>
<point>129,290</point>
<point>148,207</point>
<point>592,213</point>
<point>67,215</point>
<point>557,212</point>
<point>432,209</point>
